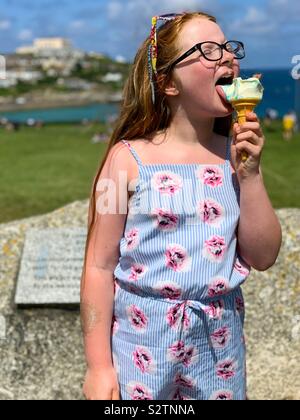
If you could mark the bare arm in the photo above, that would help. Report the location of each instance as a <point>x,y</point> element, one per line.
<point>97,282</point>
<point>259,231</point>
<point>96,316</point>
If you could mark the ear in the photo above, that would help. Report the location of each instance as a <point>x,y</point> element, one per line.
<point>171,89</point>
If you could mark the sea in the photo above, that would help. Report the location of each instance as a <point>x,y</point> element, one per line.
<point>280,92</point>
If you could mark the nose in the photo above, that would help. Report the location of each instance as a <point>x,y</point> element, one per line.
<point>228,58</point>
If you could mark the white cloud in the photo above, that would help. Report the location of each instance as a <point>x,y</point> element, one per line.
<point>266,27</point>
<point>130,21</point>
<point>5,24</point>
<point>140,8</point>
<point>255,22</point>
<point>114,9</point>
<point>25,35</point>
<point>287,11</point>
<point>77,24</point>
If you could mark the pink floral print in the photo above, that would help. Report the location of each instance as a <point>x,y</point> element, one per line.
<point>138,391</point>
<point>215,309</point>
<point>242,268</point>
<point>167,182</point>
<point>211,175</point>
<point>226,369</point>
<point>132,239</point>
<point>179,353</point>
<point>179,396</point>
<point>143,360</point>
<point>165,220</point>
<point>214,248</point>
<point>218,286</point>
<point>184,380</point>
<point>177,258</point>
<point>222,395</point>
<point>211,212</point>
<point>168,290</point>
<point>137,318</point>
<point>178,324</point>
<point>137,271</point>
<point>177,316</point>
<point>220,337</point>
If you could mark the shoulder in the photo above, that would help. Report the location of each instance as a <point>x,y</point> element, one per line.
<point>121,157</point>
<point>121,149</point>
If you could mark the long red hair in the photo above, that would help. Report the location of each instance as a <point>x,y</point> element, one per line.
<point>139,117</point>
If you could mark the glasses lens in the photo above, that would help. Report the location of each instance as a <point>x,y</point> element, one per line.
<point>235,48</point>
<point>211,51</point>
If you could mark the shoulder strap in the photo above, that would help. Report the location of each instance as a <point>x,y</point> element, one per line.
<point>133,152</point>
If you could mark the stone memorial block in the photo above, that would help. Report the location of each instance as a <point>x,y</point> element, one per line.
<point>51,266</point>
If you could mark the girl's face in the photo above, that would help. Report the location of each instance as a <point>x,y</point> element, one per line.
<point>196,77</point>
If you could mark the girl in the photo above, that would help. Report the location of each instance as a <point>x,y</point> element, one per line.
<point>161,303</point>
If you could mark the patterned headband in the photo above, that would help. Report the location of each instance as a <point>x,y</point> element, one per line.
<point>152,51</point>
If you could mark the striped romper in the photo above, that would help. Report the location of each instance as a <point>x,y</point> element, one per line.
<point>177,330</point>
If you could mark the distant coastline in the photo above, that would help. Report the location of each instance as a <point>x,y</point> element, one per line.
<point>101,112</point>
<point>44,102</point>
<point>280,93</point>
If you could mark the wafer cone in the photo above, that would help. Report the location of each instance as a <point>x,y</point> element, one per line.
<point>242,107</point>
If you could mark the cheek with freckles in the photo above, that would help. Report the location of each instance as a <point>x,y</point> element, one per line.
<point>197,84</point>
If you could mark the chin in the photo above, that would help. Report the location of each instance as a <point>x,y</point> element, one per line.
<point>222,114</point>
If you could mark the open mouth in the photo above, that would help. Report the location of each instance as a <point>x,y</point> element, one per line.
<point>225,80</point>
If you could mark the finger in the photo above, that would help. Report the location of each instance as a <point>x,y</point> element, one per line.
<point>250,148</point>
<point>250,129</point>
<point>253,126</point>
<point>249,136</point>
<point>257,75</point>
<point>251,116</point>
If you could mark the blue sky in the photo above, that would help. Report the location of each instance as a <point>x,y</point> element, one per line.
<point>270,29</point>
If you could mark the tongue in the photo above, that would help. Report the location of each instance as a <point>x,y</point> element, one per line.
<point>221,92</point>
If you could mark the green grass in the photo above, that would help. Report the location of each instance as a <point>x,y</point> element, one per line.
<point>44,169</point>
<point>281,168</point>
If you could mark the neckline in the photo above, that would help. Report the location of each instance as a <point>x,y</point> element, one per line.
<point>226,163</point>
<point>186,164</point>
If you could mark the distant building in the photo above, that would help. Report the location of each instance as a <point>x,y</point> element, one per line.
<point>51,48</point>
<point>56,56</point>
<point>13,76</point>
<point>52,43</point>
<point>112,77</point>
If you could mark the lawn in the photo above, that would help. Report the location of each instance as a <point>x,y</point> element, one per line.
<point>43,169</point>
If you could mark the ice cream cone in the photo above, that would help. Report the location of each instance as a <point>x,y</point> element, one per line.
<point>242,107</point>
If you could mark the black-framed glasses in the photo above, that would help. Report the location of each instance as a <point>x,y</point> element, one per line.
<point>212,51</point>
